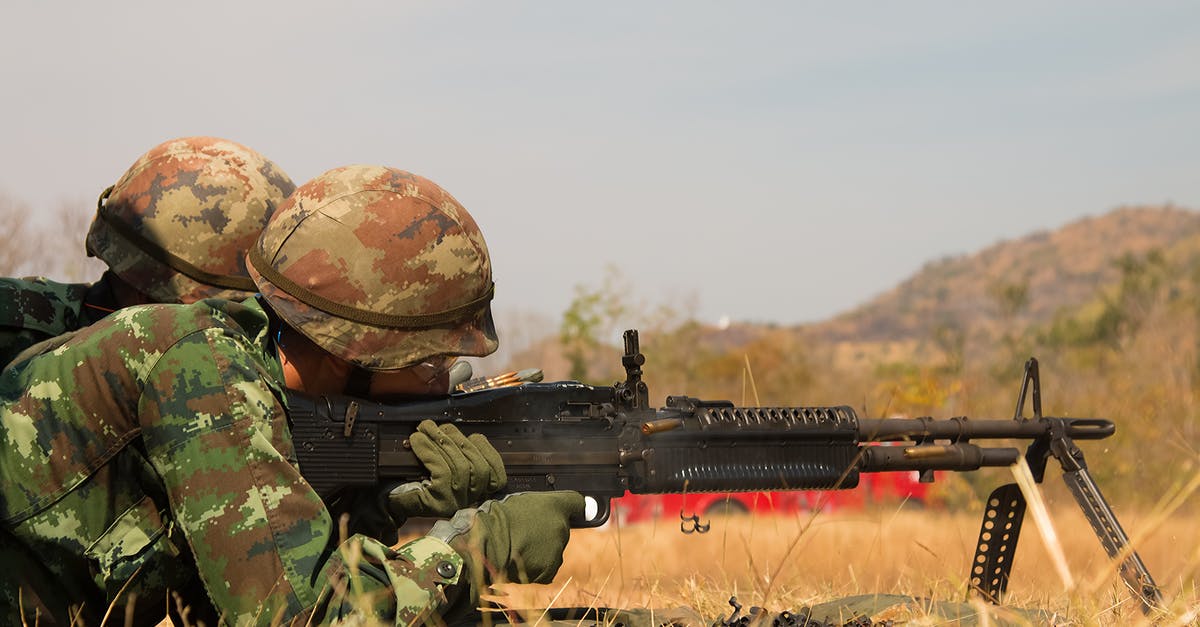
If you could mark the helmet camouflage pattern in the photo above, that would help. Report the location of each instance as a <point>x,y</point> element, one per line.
<point>378,266</point>
<point>179,222</point>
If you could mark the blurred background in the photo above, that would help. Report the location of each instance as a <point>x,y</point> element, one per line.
<point>887,205</point>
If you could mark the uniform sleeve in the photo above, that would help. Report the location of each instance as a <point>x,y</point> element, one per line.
<point>36,309</point>
<point>265,546</point>
<point>15,340</point>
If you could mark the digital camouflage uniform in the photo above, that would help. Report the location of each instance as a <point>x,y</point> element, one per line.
<point>176,227</point>
<point>150,453</point>
<point>37,309</point>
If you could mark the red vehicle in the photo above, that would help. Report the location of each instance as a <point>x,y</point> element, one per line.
<point>872,488</point>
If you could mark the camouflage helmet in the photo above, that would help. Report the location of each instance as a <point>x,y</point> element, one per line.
<point>179,222</point>
<point>379,267</point>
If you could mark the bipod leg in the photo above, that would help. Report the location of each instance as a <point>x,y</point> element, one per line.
<point>1002,518</point>
<point>1104,522</point>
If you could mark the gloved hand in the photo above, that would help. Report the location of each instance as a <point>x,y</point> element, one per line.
<point>462,473</point>
<point>519,538</point>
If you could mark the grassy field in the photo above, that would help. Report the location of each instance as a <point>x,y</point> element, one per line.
<point>788,562</point>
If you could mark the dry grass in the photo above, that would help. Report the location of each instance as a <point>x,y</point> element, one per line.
<point>782,562</point>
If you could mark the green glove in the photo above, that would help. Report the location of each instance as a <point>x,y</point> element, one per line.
<point>462,473</point>
<point>519,538</point>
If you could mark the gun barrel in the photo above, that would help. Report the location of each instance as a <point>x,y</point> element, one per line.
<point>961,428</point>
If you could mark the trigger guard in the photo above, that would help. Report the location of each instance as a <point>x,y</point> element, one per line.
<point>603,512</point>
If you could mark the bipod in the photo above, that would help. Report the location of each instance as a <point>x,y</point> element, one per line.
<point>1005,511</point>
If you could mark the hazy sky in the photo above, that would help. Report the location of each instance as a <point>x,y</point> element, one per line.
<point>778,161</point>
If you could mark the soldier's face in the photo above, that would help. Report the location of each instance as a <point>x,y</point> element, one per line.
<point>309,368</point>
<point>313,371</point>
<point>417,380</point>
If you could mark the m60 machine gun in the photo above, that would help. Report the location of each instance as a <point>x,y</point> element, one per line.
<point>605,440</point>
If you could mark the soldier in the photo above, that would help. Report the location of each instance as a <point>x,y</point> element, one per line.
<point>174,229</point>
<point>151,453</point>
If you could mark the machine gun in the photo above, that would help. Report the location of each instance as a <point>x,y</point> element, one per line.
<point>603,441</point>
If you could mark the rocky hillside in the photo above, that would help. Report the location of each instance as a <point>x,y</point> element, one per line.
<point>1019,282</point>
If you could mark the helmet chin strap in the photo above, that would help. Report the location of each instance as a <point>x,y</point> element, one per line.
<point>157,252</point>
<point>358,384</point>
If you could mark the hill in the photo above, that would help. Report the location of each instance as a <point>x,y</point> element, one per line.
<point>1023,284</point>
<point>1054,270</point>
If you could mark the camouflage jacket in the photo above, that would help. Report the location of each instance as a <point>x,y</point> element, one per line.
<point>149,456</point>
<point>36,309</point>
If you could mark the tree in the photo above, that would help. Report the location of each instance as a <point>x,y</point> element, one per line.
<point>56,250</point>
<point>18,246</point>
<point>592,316</point>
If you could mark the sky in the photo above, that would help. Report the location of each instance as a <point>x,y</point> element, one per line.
<point>768,161</point>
